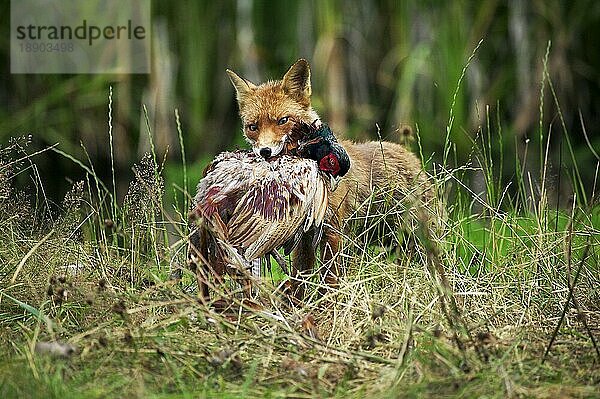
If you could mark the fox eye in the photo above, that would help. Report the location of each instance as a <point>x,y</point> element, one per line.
<point>252,127</point>
<point>283,121</point>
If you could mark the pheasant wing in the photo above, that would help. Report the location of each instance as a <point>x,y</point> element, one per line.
<point>290,198</point>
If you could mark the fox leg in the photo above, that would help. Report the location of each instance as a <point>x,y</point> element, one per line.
<point>303,260</point>
<point>330,248</point>
<point>246,276</point>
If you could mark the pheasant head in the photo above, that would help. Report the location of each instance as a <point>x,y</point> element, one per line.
<point>320,144</point>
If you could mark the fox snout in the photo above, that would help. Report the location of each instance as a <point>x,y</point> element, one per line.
<point>269,150</point>
<point>265,152</point>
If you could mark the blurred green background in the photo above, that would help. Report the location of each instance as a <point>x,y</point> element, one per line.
<point>391,63</point>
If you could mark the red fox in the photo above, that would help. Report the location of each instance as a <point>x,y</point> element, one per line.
<point>269,112</point>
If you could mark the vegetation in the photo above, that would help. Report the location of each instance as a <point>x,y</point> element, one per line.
<point>95,296</point>
<point>377,61</point>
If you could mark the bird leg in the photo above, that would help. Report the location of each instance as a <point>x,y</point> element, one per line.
<point>280,261</point>
<point>302,146</point>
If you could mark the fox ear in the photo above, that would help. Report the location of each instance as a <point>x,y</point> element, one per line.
<point>296,81</point>
<point>242,86</point>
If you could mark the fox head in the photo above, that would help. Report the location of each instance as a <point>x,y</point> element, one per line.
<point>270,110</point>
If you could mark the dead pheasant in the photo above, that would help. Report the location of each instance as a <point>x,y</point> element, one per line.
<point>248,207</point>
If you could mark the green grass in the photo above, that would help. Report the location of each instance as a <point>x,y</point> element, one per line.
<point>469,311</point>
<point>139,334</point>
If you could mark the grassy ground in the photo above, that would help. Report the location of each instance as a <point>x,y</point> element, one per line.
<point>516,284</point>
